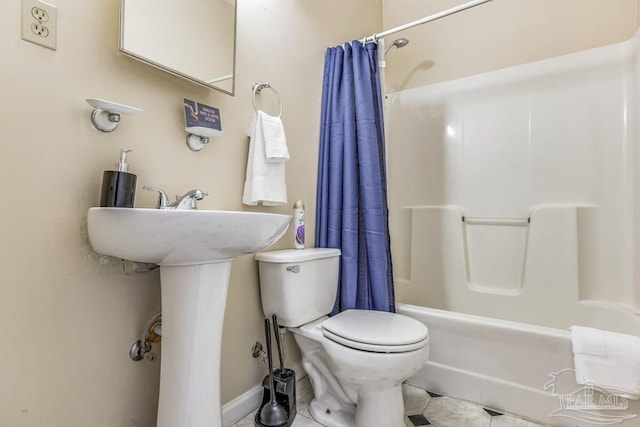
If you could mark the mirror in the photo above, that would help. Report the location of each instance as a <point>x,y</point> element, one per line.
<point>192,39</point>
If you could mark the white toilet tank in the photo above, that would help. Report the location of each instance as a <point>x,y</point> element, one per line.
<point>298,285</point>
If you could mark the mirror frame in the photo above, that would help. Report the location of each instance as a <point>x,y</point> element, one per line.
<point>177,72</point>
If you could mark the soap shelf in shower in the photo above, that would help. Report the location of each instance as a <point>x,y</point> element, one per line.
<point>495,251</point>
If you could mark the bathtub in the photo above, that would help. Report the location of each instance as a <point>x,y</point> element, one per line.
<point>511,367</point>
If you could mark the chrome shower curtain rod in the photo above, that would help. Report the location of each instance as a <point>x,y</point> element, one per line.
<point>426,19</point>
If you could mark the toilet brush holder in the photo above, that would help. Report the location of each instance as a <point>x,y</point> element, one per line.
<point>285,385</point>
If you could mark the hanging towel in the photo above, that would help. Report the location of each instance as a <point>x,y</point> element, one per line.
<point>265,182</point>
<point>607,359</point>
<point>275,142</point>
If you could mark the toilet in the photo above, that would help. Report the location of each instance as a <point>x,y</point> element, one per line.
<point>357,359</point>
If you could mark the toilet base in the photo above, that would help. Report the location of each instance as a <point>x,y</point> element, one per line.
<point>380,407</point>
<point>354,388</point>
<point>343,417</point>
<point>333,405</point>
<point>375,408</point>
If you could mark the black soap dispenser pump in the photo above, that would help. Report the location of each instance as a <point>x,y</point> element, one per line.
<point>119,185</point>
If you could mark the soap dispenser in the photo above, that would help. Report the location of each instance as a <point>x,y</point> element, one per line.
<point>119,185</point>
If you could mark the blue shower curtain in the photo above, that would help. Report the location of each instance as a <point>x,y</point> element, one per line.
<point>352,213</point>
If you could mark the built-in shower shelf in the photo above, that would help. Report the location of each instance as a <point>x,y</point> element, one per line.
<point>495,252</point>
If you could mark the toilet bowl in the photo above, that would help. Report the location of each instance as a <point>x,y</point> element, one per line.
<point>357,359</point>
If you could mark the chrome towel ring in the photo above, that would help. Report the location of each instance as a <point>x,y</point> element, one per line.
<point>257,88</point>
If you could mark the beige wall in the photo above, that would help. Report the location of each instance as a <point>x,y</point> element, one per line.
<point>498,34</point>
<point>66,321</point>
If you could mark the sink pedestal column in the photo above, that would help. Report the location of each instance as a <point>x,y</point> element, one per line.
<point>193,302</point>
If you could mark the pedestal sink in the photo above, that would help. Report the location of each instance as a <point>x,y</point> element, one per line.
<point>194,249</point>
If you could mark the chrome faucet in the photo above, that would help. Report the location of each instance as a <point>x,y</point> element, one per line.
<point>184,202</point>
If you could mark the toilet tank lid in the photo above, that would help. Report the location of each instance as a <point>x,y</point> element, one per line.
<point>297,255</point>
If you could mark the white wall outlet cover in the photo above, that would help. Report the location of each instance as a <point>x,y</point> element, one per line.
<point>39,23</point>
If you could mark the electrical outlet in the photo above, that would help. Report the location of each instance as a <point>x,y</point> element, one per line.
<point>39,29</point>
<point>39,14</point>
<point>39,23</point>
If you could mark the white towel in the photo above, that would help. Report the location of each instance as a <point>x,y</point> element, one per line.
<point>607,359</point>
<point>265,182</point>
<point>275,141</point>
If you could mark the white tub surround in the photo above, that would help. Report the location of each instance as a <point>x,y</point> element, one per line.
<point>513,194</point>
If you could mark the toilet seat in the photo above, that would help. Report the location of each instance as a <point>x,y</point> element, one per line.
<point>376,331</point>
<point>373,348</point>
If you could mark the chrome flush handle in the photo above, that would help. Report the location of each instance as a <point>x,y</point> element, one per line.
<point>294,269</point>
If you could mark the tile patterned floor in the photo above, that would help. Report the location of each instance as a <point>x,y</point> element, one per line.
<point>422,408</point>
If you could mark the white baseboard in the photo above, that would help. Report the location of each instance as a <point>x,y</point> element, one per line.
<point>242,405</point>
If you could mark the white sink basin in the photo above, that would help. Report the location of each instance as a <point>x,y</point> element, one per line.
<point>183,237</point>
